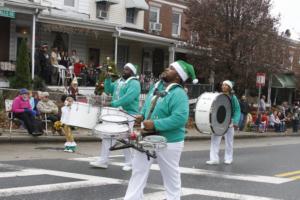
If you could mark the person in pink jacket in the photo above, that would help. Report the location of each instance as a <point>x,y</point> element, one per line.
<point>22,110</point>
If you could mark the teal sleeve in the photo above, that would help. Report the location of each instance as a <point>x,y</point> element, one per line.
<point>236,110</point>
<point>179,108</point>
<point>108,86</point>
<point>133,92</point>
<point>147,101</point>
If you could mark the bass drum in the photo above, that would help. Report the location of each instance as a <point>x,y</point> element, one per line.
<point>213,113</point>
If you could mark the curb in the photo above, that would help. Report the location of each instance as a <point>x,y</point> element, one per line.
<point>196,136</point>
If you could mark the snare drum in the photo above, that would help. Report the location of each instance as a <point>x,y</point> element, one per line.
<point>116,111</point>
<point>111,130</point>
<point>154,142</point>
<point>83,115</point>
<point>114,119</point>
<point>213,113</point>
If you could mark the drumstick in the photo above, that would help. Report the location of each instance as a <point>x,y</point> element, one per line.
<point>128,113</point>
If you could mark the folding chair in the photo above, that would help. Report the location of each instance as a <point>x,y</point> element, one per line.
<point>8,107</point>
<point>44,118</point>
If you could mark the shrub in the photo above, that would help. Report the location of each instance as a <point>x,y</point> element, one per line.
<point>22,78</point>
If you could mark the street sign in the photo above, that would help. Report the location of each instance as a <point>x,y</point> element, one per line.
<point>5,12</point>
<point>260,79</point>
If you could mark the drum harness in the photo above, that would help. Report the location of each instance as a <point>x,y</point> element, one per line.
<point>139,145</point>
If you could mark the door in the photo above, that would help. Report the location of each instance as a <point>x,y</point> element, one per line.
<point>4,38</point>
<point>158,62</point>
<point>94,55</point>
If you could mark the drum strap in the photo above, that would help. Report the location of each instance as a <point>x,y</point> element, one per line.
<point>157,95</point>
<point>121,82</point>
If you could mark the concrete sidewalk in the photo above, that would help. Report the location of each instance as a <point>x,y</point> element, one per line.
<point>21,135</point>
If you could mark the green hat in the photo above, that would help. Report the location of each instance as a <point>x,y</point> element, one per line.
<point>185,70</point>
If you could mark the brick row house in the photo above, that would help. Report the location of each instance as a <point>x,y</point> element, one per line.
<point>285,85</point>
<point>149,33</point>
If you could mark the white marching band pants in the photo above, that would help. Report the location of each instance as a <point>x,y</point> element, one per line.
<point>215,146</point>
<point>108,142</point>
<point>168,161</point>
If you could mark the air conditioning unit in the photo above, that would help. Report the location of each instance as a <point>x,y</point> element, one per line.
<point>103,14</point>
<point>155,26</point>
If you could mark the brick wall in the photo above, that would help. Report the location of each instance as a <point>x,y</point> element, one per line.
<point>166,20</point>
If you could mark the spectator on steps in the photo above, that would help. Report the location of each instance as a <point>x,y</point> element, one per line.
<point>22,110</point>
<point>47,106</point>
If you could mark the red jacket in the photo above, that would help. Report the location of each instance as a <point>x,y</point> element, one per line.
<point>77,68</point>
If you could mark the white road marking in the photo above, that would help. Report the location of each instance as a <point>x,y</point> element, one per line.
<point>210,173</point>
<point>92,181</point>
<point>211,193</point>
<point>25,172</point>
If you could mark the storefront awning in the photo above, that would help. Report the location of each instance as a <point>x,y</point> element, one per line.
<point>138,4</point>
<point>109,1</point>
<point>284,81</point>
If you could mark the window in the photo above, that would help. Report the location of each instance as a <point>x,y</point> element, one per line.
<point>70,3</point>
<point>154,15</point>
<point>194,37</point>
<point>130,15</point>
<point>102,10</point>
<point>176,24</point>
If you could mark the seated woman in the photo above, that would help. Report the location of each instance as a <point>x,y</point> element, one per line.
<point>22,110</point>
<point>261,122</point>
<point>275,121</point>
<point>283,120</point>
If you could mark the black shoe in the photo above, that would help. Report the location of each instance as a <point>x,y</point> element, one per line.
<point>37,134</point>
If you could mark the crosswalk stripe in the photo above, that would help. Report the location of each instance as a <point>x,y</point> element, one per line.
<point>191,191</point>
<point>218,174</point>
<point>92,181</point>
<point>210,173</point>
<point>211,193</point>
<point>286,174</point>
<point>51,187</point>
<point>25,172</point>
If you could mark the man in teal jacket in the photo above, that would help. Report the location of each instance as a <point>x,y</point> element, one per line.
<point>125,94</point>
<point>227,88</point>
<point>166,111</point>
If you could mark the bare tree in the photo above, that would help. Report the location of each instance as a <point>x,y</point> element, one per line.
<point>242,36</point>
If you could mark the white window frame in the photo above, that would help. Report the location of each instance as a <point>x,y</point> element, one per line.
<point>157,10</point>
<point>134,15</point>
<point>179,25</point>
<point>106,10</point>
<point>75,7</point>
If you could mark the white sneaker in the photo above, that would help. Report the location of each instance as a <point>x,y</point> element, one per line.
<point>227,162</point>
<point>212,162</point>
<point>126,168</point>
<point>99,164</point>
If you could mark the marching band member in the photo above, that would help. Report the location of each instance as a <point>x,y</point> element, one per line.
<point>168,116</point>
<point>126,92</point>
<point>227,88</point>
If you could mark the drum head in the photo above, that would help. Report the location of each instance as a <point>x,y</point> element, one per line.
<point>213,113</point>
<point>154,142</point>
<point>155,139</point>
<point>114,118</point>
<point>111,130</point>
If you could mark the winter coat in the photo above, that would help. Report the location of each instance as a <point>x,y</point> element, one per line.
<point>19,105</point>
<point>126,93</point>
<point>47,107</point>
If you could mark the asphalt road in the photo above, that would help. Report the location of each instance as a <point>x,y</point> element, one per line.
<point>263,169</point>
